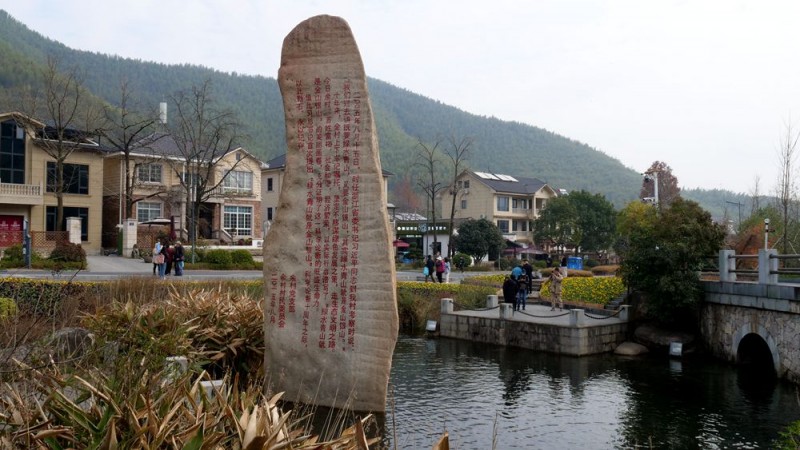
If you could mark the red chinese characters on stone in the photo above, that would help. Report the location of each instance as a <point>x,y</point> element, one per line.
<point>329,133</point>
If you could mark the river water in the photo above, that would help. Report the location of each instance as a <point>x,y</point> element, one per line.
<point>489,396</point>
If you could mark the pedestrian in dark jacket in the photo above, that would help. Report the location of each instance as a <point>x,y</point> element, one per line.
<point>178,259</point>
<point>509,290</point>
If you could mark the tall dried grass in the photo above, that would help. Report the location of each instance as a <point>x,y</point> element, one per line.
<point>117,393</point>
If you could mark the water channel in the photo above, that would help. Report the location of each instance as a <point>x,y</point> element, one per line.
<point>508,398</point>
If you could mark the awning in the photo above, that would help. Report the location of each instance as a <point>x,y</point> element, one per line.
<point>157,221</point>
<point>400,244</point>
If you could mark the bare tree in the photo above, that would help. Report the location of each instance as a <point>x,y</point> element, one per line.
<point>428,160</point>
<point>203,134</point>
<point>69,119</point>
<point>458,152</point>
<point>786,189</point>
<point>129,129</point>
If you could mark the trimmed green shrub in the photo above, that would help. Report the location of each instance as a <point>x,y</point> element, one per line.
<point>242,257</point>
<point>68,252</point>
<point>589,263</point>
<point>507,263</point>
<point>218,257</point>
<point>461,261</point>
<point>610,269</point>
<point>419,301</point>
<point>13,253</point>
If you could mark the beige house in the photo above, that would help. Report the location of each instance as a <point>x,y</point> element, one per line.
<point>27,176</point>
<point>230,213</point>
<point>511,202</point>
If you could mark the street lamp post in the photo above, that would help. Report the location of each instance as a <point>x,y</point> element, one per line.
<point>653,176</point>
<point>766,233</point>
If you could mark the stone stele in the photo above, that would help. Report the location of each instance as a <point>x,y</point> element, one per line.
<point>330,311</point>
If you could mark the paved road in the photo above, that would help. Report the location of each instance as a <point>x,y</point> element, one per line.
<point>112,267</point>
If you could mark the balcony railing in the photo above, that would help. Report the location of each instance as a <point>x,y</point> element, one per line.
<point>21,194</point>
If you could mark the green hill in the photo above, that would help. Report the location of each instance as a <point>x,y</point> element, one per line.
<point>401,116</point>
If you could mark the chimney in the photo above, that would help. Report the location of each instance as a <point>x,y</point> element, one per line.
<point>162,113</point>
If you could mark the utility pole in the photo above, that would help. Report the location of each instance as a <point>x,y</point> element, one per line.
<point>740,211</point>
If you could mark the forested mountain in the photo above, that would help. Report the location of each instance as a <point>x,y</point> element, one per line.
<point>402,117</point>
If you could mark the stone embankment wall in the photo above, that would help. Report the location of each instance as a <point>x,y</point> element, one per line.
<point>575,341</point>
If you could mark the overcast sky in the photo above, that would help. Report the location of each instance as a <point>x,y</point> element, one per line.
<point>706,86</point>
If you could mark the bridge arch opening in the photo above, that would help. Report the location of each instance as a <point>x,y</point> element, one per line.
<point>754,353</point>
<point>756,366</point>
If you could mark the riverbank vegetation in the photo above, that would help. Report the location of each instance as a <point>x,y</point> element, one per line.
<point>113,387</point>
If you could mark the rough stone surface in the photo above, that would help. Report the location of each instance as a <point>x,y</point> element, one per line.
<point>630,349</point>
<point>723,327</point>
<point>330,310</point>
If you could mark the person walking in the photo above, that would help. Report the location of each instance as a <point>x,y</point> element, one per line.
<point>156,251</point>
<point>159,258</point>
<point>439,269</point>
<point>178,256</point>
<point>447,270</point>
<point>528,269</point>
<point>170,255</point>
<point>429,268</point>
<point>522,293</point>
<point>556,276</point>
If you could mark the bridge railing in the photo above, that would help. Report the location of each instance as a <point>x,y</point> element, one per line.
<point>769,265</point>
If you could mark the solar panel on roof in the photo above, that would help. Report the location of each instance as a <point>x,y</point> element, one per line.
<point>507,178</point>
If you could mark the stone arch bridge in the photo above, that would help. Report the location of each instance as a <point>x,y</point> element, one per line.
<point>753,322</point>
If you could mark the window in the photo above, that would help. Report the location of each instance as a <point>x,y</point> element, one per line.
<point>192,179</point>
<point>459,184</point>
<point>76,178</point>
<point>269,213</point>
<point>238,220</point>
<point>83,213</point>
<point>237,180</point>
<point>503,226</point>
<point>514,226</point>
<point>466,184</point>
<point>12,153</point>
<point>149,173</point>
<point>463,203</point>
<point>269,184</point>
<point>147,211</point>
<point>502,203</point>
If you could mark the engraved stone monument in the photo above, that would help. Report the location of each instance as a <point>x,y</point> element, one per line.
<point>330,311</point>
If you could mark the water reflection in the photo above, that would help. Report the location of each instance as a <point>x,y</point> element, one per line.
<point>537,400</point>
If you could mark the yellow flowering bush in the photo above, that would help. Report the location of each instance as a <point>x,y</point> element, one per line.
<point>597,290</point>
<point>8,308</point>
